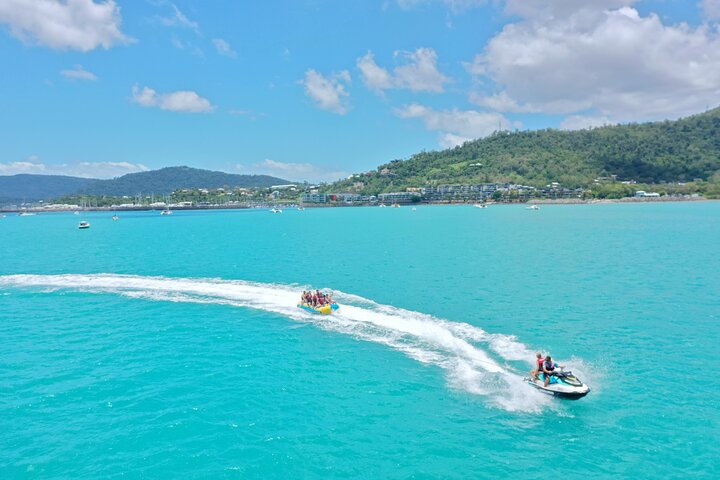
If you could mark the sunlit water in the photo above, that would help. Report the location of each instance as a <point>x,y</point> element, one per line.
<point>171,346</point>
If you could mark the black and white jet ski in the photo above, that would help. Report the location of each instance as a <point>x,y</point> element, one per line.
<point>562,384</point>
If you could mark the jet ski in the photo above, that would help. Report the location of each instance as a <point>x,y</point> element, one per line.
<point>562,384</point>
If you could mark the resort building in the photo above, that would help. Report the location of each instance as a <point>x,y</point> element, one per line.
<point>314,198</point>
<point>399,197</point>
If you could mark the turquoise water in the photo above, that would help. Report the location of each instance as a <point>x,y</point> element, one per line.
<point>170,347</point>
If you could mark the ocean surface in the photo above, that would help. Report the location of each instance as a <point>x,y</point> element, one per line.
<point>171,346</point>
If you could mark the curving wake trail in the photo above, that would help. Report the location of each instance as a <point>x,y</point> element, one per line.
<point>475,360</point>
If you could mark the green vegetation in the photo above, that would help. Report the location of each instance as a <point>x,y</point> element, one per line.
<point>24,187</point>
<point>165,180</point>
<point>685,150</point>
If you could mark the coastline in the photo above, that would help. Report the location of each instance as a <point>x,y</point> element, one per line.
<point>543,201</point>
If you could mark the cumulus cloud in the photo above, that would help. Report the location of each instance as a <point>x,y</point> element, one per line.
<point>558,9</point>
<point>72,24</point>
<point>34,165</point>
<point>328,92</point>
<point>580,122</point>
<point>418,73</point>
<point>456,126</point>
<point>224,48</point>
<point>711,9</point>
<point>78,73</point>
<point>587,57</point>
<point>180,101</point>
<point>294,171</point>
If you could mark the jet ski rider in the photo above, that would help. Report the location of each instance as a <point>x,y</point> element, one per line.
<point>548,368</point>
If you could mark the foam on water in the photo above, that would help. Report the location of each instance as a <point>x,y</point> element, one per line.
<point>475,361</point>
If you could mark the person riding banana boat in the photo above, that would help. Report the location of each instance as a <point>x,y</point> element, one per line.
<point>317,302</point>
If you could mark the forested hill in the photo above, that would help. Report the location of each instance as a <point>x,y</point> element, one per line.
<point>30,188</point>
<point>669,151</point>
<point>166,180</point>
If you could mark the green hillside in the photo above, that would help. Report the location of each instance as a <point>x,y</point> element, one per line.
<point>166,180</point>
<point>31,188</point>
<point>651,153</point>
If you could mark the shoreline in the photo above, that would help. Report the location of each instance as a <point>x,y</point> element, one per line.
<point>559,201</point>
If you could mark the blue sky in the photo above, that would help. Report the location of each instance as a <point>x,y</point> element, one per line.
<point>319,89</point>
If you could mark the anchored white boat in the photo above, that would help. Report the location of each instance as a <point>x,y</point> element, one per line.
<point>167,211</point>
<point>83,225</point>
<point>275,210</point>
<point>533,207</point>
<point>26,214</point>
<point>480,205</point>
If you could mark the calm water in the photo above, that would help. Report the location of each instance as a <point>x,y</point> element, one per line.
<point>168,347</point>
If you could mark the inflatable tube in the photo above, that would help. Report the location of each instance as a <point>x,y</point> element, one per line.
<point>324,310</point>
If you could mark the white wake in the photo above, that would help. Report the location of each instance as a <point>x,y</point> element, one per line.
<point>475,361</point>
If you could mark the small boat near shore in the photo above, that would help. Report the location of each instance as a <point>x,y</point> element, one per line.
<point>83,225</point>
<point>480,205</point>
<point>26,214</point>
<point>532,207</point>
<point>275,210</point>
<point>167,211</point>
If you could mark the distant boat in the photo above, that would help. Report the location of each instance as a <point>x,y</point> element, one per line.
<point>382,205</point>
<point>76,212</point>
<point>275,210</point>
<point>167,211</point>
<point>533,207</point>
<point>83,225</point>
<point>26,214</point>
<point>115,217</point>
<point>414,209</point>
<point>395,205</point>
<point>480,205</point>
<point>301,208</point>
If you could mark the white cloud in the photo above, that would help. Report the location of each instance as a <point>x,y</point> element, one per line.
<point>294,171</point>
<point>78,73</point>
<point>418,73</point>
<point>580,122</point>
<point>456,126</point>
<point>580,57</point>
<point>33,165</point>
<point>177,18</point>
<point>328,92</point>
<point>375,77</point>
<point>557,9</point>
<point>224,48</point>
<point>72,24</point>
<point>711,9</point>
<point>180,101</point>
